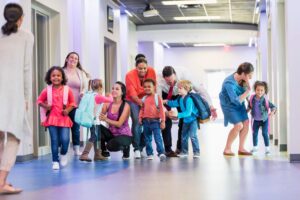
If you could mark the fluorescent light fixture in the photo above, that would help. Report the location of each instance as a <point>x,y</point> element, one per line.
<point>128,13</point>
<point>168,3</point>
<point>194,18</point>
<point>210,45</point>
<point>165,45</point>
<point>250,42</point>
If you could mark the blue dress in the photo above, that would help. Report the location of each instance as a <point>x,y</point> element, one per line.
<point>234,111</point>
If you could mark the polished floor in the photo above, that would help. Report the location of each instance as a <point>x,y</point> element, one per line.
<point>212,177</point>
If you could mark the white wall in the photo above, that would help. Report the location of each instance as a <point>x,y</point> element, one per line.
<point>128,45</point>
<point>197,59</point>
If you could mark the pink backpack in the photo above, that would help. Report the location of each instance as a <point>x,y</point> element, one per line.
<point>43,111</point>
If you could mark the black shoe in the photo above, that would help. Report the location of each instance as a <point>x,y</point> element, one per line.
<point>171,154</point>
<point>126,154</point>
<point>105,154</point>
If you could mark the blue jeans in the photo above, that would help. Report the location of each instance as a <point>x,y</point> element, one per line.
<point>75,128</point>
<point>264,129</point>
<point>95,134</point>
<point>136,128</point>
<point>153,126</point>
<point>60,136</point>
<point>190,130</point>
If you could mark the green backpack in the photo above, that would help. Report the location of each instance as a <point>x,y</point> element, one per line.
<point>84,115</point>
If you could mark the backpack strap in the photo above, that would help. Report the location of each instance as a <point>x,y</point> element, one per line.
<point>49,95</point>
<point>267,103</point>
<point>66,95</point>
<point>251,100</point>
<point>155,99</point>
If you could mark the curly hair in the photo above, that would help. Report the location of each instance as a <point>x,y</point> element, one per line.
<point>263,84</point>
<point>49,72</point>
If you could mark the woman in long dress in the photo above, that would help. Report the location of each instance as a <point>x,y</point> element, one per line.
<point>16,48</point>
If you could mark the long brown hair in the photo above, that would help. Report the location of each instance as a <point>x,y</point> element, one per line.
<point>12,13</point>
<point>78,64</point>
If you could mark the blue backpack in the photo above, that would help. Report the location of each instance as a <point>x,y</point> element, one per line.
<point>84,115</point>
<point>201,105</point>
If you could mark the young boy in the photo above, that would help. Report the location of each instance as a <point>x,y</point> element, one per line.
<point>189,113</point>
<point>152,117</point>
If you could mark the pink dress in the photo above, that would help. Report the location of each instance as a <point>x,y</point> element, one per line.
<point>56,118</point>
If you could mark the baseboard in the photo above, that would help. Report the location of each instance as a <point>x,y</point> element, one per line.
<point>282,147</point>
<point>294,158</point>
<point>25,158</point>
<point>271,137</point>
<point>276,142</point>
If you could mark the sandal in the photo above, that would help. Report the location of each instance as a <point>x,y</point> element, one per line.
<point>8,189</point>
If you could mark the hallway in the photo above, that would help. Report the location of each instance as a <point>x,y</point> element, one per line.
<point>211,177</point>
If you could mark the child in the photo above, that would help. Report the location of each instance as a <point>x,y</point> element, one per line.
<point>96,87</point>
<point>260,107</point>
<point>58,100</point>
<point>189,115</point>
<point>152,117</point>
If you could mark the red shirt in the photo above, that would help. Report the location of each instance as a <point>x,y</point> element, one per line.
<point>149,109</point>
<point>56,117</point>
<point>134,86</point>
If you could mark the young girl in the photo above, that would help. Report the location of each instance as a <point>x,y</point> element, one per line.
<point>152,117</point>
<point>189,115</point>
<point>261,110</point>
<point>58,121</point>
<point>96,87</point>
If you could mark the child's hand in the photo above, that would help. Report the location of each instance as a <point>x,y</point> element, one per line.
<point>213,112</point>
<point>108,94</point>
<point>65,112</point>
<point>272,114</point>
<point>140,121</point>
<point>103,117</point>
<point>165,101</point>
<point>162,125</point>
<point>47,107</point>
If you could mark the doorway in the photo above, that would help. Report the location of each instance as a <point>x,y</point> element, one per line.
<point>110,63</point>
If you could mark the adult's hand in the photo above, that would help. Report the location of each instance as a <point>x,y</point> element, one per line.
<point>213,112</point>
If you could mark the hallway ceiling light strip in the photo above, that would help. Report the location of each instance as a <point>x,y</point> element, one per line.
<point>128,13</point>
<point>168,3</point>
<point>197,18</point>
<point>210,45</point>
<point>166,45</point>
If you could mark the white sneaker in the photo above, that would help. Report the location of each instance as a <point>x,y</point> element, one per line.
<point>182,155</point>
<point>254,150</point>
<point>268,153</point>
<point>196,155</point>
<point>137,154</point>
<point>162,157</point>
<point>77,151</point>
<point>143,153</point>
<point>64,160</point>
<point>55,165</point>
<point>150,157</point>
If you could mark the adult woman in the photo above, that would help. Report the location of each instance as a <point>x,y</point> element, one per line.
<point>15,89</point>
<point>135,92</point>
<point>78,82</point>
<point>118,135</point>
<point>235,90</point>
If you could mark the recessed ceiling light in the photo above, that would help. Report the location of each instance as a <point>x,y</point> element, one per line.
<point>196,18</point>
<point>188,2</point>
